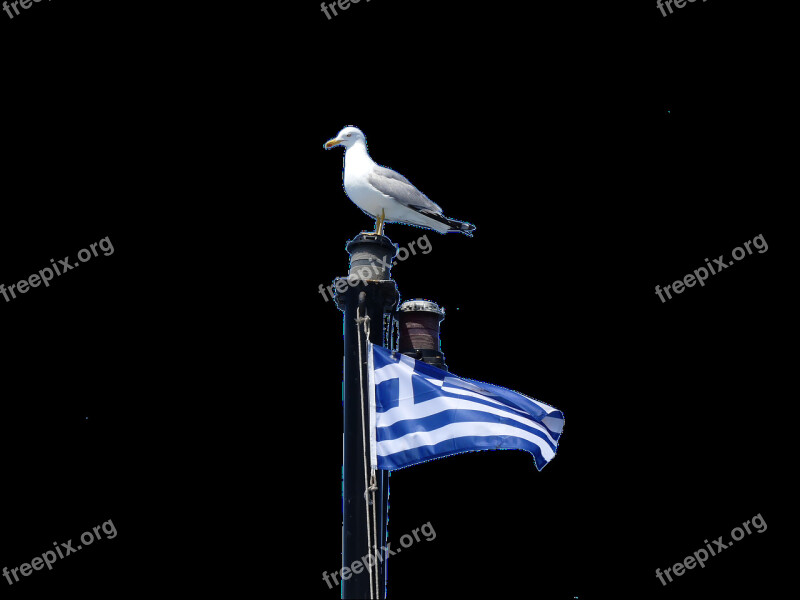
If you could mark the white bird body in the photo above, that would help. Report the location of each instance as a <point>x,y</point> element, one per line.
<point>357,167</point>
<point>384,194</point>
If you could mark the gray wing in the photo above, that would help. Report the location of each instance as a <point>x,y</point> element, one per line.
<point>398,187</point>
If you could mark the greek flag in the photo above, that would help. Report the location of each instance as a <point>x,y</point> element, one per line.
<point>418,413</point>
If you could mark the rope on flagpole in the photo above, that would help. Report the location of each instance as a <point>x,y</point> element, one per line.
<point>364,432</point>
<point>373,486</point>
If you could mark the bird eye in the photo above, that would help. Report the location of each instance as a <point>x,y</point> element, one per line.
<point>349,134</point>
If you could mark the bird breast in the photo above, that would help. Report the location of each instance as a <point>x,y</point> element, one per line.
<point>358,188</point>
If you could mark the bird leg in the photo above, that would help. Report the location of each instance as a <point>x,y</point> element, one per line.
<point>379,223</point>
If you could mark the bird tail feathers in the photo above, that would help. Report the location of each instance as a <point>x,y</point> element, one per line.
<point>461,226</point>
<point>448,224</point>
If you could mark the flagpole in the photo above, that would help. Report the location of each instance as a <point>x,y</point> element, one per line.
<point>369,289</point>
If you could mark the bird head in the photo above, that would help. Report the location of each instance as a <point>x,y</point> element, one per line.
<point>346,137</point>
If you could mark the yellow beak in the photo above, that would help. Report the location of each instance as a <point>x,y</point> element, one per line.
<point>331,143</point>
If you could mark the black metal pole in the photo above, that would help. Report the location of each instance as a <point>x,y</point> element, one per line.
<point>368,286</point>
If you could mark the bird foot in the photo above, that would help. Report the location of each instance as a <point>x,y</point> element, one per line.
<point>379,223</point>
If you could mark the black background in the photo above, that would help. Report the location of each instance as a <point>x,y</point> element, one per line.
<point>188,386</point>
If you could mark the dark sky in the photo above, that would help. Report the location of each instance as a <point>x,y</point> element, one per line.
<point>188,385</point>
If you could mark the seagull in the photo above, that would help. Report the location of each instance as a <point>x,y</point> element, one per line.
<point>385,195</point>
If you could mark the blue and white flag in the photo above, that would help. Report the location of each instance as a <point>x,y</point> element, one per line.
<point>418,413</point>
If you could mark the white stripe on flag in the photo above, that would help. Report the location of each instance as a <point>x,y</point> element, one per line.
<point>437,405</point>
<point>462,392</point>
<point>393,370</point>
<point>418,439</point>
<point>373,453</point>
<point>404,372</point>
